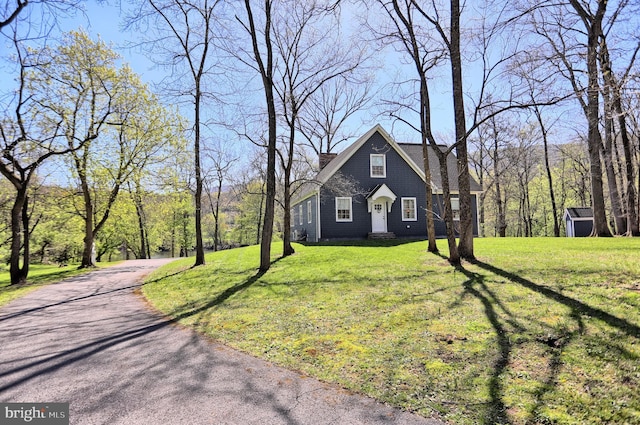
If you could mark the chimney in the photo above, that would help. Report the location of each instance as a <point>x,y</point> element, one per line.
<point>326,158</point>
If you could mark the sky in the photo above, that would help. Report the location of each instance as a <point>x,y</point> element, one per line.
<point>104,20</point>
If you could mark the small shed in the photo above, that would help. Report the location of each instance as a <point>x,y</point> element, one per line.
<point>579,221</point>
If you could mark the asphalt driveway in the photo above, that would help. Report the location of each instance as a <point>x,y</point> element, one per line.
<point>92,342</point>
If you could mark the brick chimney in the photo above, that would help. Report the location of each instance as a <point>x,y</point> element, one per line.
<point>326,158</point>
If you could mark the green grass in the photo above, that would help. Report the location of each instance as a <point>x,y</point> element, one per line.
<point>538,331</point>
<point>39,275</point>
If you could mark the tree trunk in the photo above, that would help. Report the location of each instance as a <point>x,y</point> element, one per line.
<point>612,180</point>
<point>501,222</point>
<point>593,25</point>
<point>547,166</point>
<point>616,109</point>
<point>198,195</point>
<point>454,256</point>
<point>19,238</point>
<point>88,259</point>
<point>137,201</point>
<point>464,185</point>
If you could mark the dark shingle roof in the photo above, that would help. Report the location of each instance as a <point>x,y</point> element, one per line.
<point>414,151</point>
<point>412,154</point>
<point>580,212</point>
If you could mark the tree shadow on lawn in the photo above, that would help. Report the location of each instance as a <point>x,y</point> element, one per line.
<point>182,312</point>
<point>506,328</point>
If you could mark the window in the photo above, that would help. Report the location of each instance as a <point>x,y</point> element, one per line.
<point>343,209</point>
<point>455,208</point>
<point>300,213</point>
<point>293,217</point>
<point>377,165</point>
<point>409,209</point>
<point>309,216</point>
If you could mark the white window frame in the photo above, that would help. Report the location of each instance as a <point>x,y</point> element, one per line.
<point>350,218</point>
<point>300,214</point>
<point>414,209</point>
<point>455,208</point>
<point>309,215</point>
<point>384,165</point>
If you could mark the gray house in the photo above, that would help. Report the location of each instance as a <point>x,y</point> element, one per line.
<point>374,188</point>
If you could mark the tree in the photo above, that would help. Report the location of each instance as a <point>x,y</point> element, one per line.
<point>307,59</point>
<point>89,94</point>
<point>322,124</point>
<point>616,112</point>
<point>48,8</point>
<point>263,63</point>
<point>36,133</point>
<point>186,33</point>
<point>424,57</point>
<point>222,163</point>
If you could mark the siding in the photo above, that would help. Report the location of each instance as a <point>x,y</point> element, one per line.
<point>400,178</point>
<point>306,228</point>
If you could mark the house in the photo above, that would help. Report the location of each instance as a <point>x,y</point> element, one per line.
<point>374,188</point>
<point>579,221</point>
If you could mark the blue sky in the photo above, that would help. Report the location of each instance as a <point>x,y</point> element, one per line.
<point>104,20</point>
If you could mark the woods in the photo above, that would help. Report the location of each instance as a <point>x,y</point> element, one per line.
<point>538,101</point>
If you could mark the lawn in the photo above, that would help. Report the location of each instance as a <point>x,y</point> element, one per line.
<point>537,331</point>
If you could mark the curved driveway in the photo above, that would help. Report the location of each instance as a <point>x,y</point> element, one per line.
<point>92,342</point>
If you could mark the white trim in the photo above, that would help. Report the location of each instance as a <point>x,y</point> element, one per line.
<point>415,208</point>
<point>301,215</point>
<point>309,215</point>
<point>453,210</point>
<point>344,220</point>
<point>382,192</point>
<point>327,172</point>
<point>384,165</point>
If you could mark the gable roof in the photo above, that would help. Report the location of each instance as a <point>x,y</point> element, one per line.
<point>327,172</point>
<point>410,152</point>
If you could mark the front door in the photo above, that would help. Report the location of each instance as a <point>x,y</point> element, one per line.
<point>379,217</point>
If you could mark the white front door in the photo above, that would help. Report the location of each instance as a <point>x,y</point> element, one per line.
<point>379,217</point>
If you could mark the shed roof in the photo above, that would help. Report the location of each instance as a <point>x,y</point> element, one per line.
<point>579,212</point>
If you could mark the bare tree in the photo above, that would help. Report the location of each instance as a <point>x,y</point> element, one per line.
<point>50,9</point>
<point>262,60</point>
<point>612,92</point>
<point>185,33</point>
<point>308,59</point>
<point>222,163</point>
<point>424,54</point>
<point>322,124</point>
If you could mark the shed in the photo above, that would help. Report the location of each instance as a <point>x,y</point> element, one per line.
<point>579,221</point>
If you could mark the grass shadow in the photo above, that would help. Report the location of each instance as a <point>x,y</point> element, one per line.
<point>508,331</point>
<point>177,316</point>
<point>577,307</point>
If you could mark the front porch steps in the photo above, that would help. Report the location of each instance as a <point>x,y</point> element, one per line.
<point>382,235</point>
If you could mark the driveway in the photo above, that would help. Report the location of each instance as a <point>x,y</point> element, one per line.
<point>92,342</point>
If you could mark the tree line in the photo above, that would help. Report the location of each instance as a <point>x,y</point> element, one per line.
<point>529,83</point>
